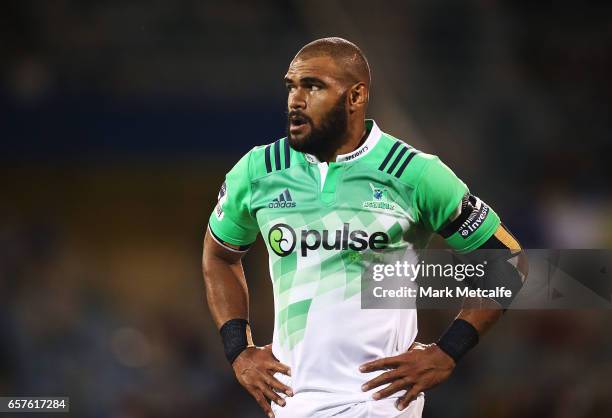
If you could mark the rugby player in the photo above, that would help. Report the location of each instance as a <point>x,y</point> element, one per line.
<point>335,190</point>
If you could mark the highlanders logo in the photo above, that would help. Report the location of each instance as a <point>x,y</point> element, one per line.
<point>377,194</point>
<point>379,199</point>
<point>281,239</point>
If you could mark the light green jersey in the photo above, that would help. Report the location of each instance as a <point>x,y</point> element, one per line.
<point>321,224</point>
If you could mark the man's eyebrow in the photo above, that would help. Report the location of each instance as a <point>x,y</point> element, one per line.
<point>306,80</point>
<point>311,80</point>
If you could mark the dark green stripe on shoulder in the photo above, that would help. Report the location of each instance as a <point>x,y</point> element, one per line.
<point>398,158</point>
<point>273,157</point>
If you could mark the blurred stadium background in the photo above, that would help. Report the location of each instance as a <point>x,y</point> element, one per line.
<point>119,119</point>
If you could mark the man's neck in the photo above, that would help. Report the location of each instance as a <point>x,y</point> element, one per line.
<point>355,138</point>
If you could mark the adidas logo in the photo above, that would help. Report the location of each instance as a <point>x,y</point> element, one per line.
<point>284,200</point>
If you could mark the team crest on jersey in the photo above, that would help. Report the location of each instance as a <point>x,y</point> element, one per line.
<point>379,199</point>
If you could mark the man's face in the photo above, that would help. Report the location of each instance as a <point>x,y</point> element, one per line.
<point>317,115</point>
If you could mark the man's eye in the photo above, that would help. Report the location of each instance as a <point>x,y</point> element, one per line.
<point>289,87</point>
<point>315,88</point>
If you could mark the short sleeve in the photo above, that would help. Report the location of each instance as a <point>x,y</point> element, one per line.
<point>232,220</point>
<point>439,194</point>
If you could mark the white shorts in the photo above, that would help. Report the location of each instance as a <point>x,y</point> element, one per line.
<point>384,408</point>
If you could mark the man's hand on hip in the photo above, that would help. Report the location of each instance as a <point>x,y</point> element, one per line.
<point>420,368</point>
<point>254,369</point>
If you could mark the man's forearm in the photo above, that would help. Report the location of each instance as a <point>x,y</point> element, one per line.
<point>478,315</point>
<point>227,295</point>
<point>481,313</point>
<point>474,320</point>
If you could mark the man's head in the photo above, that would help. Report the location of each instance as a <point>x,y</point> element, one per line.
<point>328,85</point>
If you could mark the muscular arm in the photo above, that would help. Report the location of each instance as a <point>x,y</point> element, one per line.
<point>228,298</point>
<point>226,289</point>
<point>482,313</point>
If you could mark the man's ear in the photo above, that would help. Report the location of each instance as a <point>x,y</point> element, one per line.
<point>358,96</point>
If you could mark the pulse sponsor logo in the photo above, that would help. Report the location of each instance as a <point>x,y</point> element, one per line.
<point>284,200</point>
<point>282,239</point>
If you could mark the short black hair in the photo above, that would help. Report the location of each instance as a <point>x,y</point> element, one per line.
<point>348,56</point>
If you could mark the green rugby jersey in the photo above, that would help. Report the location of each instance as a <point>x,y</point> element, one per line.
<point>322,223</point>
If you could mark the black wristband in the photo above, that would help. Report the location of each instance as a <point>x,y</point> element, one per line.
<point>458,339</point>
<point>234,336</point>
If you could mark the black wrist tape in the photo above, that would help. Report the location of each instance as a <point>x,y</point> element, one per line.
<point>234,336</point>
<point>458,339</point>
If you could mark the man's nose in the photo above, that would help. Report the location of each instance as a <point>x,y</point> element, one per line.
<point>296,100</point>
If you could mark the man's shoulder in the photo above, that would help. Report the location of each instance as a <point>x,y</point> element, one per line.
<point>400,160</point>
<point>274,157</point>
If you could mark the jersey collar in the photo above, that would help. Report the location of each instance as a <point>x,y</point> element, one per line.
<point>367,146</point>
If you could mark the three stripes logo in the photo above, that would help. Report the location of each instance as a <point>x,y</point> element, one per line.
<point>398,157</point>
<point>284,200</point>
<point>278,155</point>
